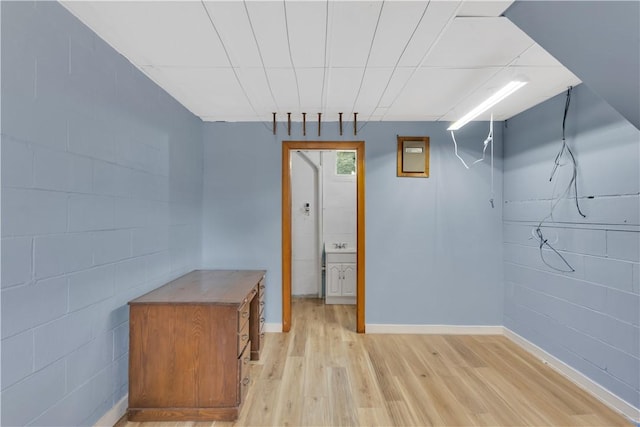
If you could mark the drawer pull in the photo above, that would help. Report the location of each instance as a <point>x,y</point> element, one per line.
<point>245,337</point>
<point>246,360</point>
<point>245,314</point>
<point>262,320</point>
<point>262,335</point>
<point>261,303</point>
<point>245,381</point>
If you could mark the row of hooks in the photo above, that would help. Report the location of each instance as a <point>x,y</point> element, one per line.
<point>304,123</point>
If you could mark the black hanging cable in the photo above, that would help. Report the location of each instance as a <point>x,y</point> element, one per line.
<point>556,163</point>
<point>573,183</point>
<point>544,242</point>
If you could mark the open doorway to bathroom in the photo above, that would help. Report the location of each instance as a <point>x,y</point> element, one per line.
<point>319,230</point>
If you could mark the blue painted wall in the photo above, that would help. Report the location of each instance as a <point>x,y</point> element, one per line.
<point>433,246</point>
<point>101,202</point>
<point>599,41</point>
<point>589,318</point>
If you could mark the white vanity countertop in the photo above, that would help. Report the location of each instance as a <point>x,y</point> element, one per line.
<point>332,250</point>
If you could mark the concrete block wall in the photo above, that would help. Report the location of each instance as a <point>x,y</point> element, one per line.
<point>339,204</point>
<point>101,202</point>
<point>589,318</point>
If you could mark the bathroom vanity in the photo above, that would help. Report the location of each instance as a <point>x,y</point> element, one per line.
<point>341,275</point>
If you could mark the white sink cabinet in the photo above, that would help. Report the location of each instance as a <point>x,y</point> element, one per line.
<point>341,274</point>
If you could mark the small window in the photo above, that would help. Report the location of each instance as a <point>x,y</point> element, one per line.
<point>345,163</point>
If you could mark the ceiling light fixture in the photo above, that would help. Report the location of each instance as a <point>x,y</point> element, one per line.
<point>490,102</point>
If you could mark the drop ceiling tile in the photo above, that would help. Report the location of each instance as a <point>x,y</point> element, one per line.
<point>310,88</point>
<point>374,98</point>
<point>307,25</point>
<point>342,88</point>
<point>484,7</point>
<point>479,42</point>
<point>232,23</point>
<point>283,83</point>
<point>204,91</point>
<point>352,28</point>
<point>536,56</point>
<point>436,19</point>
<point>268,22</point>
<point>397,23</point>
<point>433,91</point>
<point>398,81</point>
<point>257,87</point>
<point>155,33</point>
<point>373,85</point>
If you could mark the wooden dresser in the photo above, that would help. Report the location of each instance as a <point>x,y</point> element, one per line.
<point>190,342</point>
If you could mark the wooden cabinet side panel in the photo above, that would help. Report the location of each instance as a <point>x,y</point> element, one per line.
<point>182,356</point>
<point>215,375</point>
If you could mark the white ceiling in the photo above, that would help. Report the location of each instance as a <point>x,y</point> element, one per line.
<point>391,60</point>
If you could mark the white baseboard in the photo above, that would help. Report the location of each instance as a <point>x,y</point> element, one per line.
<point>374,328</point>
<point>584,382</point>
<point>114,414</point>
<point>273,327</point>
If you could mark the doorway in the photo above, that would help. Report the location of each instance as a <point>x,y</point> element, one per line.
<point>292,146</point>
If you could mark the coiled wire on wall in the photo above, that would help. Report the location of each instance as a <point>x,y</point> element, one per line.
<point>487,142</point>
<point>565,151</point>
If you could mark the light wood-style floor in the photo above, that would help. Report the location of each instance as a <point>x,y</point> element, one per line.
<point>324,374</point>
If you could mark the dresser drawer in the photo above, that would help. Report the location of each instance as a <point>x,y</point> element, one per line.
<point>243,315</point>
<point>243,337</point>
<point>244,368</point>
<point>262,321</point>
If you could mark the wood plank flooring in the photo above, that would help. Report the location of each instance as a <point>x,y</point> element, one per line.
<point>324,374</point>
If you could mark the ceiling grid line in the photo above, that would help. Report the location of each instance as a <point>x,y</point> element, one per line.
<point>264,68</point>
<point>366,64</point>
<point>235,73</point>
<point>293,67</point>
<point>324,60</point>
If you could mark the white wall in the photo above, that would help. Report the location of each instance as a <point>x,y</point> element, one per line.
<point>305,249</point>
<point>339,204</point>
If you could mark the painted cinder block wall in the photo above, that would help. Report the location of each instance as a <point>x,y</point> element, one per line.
<point>121,213</point>
<point>590,318</point>
<point>101,202</point>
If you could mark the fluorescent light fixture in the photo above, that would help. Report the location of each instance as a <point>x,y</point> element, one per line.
<point>490,102</point>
